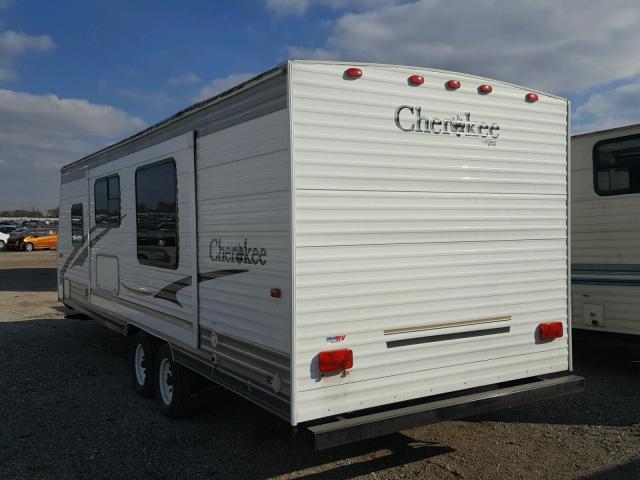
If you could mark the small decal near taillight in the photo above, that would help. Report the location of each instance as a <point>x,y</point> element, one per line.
<point>550,331</point>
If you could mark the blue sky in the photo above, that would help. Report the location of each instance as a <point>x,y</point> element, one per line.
<point>77,75</point>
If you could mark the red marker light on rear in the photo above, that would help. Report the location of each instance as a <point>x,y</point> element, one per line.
<point>453,84</point>
<point>531,97</point>
<point>485,89</point>
<point>353,72</point>
<point>549,331</point>
<point>276,292</point>
<point>335,360</point>
<point>416,79</point>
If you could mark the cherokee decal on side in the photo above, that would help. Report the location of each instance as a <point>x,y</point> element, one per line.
<point>240,253</point>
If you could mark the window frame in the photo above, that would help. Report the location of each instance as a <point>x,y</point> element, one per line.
<point>148,166</point>
<point>106,180</point>
<point>594,158</point>
<point>73,242</point>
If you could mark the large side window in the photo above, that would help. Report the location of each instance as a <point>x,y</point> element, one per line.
<point>157,214</point>
<point>77,224</point>
<point>616,166</point>
<point>107,201</point>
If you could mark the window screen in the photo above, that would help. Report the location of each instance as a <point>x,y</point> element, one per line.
<point>107,201</point>
<point>616,166</point>
<point>157,214</point>
<point>77,224</point>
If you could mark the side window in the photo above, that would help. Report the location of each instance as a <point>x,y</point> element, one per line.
<point>77,224</point>
<point>157,214</point>
<point>107,201</point>
<point>616,166</point>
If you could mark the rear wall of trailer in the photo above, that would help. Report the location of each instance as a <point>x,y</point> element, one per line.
<point>605,242</point>
<point>398,229</point>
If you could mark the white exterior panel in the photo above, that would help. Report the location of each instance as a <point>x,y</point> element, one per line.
<point>401,236</point>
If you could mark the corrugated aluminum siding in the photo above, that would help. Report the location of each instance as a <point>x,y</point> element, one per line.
<point>605,243</point>
<point>398,229</point>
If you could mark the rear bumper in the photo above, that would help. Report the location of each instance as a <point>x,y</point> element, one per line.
<point>368,425</point>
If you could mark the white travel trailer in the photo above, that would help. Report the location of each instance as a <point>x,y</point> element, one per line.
<point>356,248</point>
<point>605,241</point>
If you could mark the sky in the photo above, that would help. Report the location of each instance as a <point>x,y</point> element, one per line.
<point>76,76</point>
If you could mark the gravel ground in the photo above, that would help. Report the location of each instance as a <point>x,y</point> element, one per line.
<point>68,410</point>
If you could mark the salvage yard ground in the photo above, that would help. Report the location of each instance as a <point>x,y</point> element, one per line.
<point>68,410</point>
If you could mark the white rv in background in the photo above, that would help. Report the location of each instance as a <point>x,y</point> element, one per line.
<point>605,241</point>
<point>358,249</point>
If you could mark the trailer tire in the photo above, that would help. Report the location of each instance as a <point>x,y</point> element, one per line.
<point>174,385</point>
<point>142,363</point>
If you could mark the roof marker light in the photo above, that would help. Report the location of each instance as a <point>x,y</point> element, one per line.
<point>549,331</point>
<point>335,360</point>
<point>416,80</point>
<point>453,84</point>
<point>485,89</point>
<point>353,73</point>
<point>531,97</point>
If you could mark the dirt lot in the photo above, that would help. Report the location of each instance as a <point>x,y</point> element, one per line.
<point>68,410</point>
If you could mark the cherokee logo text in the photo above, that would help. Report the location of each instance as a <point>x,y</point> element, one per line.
<point>461,126</point>
<point>240,253</point>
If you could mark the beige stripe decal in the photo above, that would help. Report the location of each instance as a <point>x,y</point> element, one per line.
<point>436,326</point>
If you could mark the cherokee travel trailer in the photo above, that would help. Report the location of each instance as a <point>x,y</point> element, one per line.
<point>605,259</point>
<point>355,248</point>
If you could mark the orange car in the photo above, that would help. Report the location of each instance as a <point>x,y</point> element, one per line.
<point>41,240</point>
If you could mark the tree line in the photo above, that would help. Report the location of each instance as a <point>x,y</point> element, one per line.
<point>33,213</point>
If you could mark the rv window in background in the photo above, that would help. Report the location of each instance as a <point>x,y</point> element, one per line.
<point>77,224</point>
<point>107,201</point>
<point>157,214</point>
<point>616,166</point>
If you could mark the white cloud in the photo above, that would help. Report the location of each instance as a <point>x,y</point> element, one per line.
<point>184,79</point>
<point>288,7</point>
<point>615,108</point>
<point>40,133</point>
<point>300,7</point>
<point>14,44</point>
<point>219,85</point>
<point>559,46</point>
<point>148,99</point>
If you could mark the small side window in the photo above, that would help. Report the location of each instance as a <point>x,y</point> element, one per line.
<point>157,214</point>
<point>77,224</point>
<point>107,201</point>
<point>616,166</point>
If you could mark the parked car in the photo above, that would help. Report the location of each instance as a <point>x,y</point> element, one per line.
<point>41,240</point>
<point>16,239</point>
<point>4,236</point>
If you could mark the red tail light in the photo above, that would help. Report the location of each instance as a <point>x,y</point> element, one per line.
<point>336,360</point>
<point>531,97</point>
<point>353,72</point>
<point>276,292</point>
<point>485,89</point>
<point>416,79</point>
<point>549,331</point>
<point>453,84</point>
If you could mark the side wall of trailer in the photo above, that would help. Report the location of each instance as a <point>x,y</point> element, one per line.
<point>605,245</point>
<point>215,306</point>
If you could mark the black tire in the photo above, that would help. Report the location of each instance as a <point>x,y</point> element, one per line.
<point>2,244</point>
<point>28,247</point>
<point>144,388</point>
<point>182,381</point>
